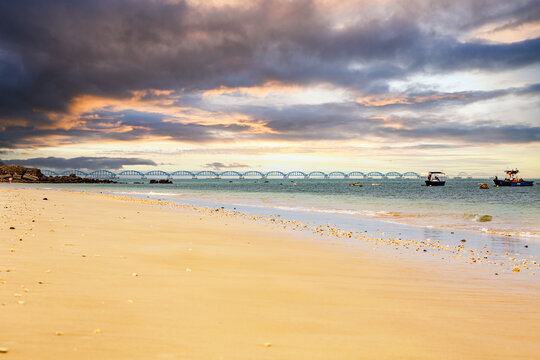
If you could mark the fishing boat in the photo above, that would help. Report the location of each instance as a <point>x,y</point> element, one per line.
<point>512,179</point>
<point>436,178</point>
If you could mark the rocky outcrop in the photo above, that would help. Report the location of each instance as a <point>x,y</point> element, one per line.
<point>21,174</point>
<point>160,182</point>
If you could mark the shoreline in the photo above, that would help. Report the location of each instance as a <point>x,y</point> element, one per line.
<point>128,279</point>
<point>443,243</point>
<point>387,214</point>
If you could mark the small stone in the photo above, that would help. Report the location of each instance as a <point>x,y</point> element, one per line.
<point>516,269</point>
<point>11,250</point>
<point>526,246</point>
<point>267,344</point>
<point>97,331</point>
<point>463,240</point>
<point>20,302</point>
<point>3,350</point>
<point>59,333</point>
<point>11,228</point>
<point>45,199</point>
<point>134,274</point>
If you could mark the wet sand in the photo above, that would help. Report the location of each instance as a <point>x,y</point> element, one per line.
<point>89,276</point>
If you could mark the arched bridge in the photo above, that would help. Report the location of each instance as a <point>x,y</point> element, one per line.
<point>205,174</point>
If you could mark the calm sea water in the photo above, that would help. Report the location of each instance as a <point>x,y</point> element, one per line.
<point>459,205</point>
<point>400,208</point>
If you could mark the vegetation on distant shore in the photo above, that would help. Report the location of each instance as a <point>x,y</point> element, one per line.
<point>21,174</point>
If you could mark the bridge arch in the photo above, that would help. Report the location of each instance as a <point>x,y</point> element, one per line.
<point>296,174</point>
<point>411,174</point>
<point>275,173</point>
<point>393,174</point>
<point>157,173</point>
<point>375,174</point>
<point>102,174</point>
<point>183,173</point>
<point>254,173</point>
<point>131,173</point>
<point>231,173</point>
<point>357,174</point>
<point>207,173</point>
<point>337,174</point>
<point>316,174</point>
<point>76,172</point>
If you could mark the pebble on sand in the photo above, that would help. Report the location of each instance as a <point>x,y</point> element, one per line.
<point>97,331</point>
<point>134,274</point>
<point>516,269</point>
<point>267,344</point>
<point>59,333</point>
<point>3,350</point>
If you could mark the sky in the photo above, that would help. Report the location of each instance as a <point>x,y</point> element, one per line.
<point>383,85</point>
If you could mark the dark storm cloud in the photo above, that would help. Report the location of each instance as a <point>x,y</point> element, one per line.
<point>80,162</point>
<point>343,122</point>
<point>54,51</point>
<point>129,125</point>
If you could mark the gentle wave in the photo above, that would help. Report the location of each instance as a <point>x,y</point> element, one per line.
<point>320,210</point>
<point>150,193</point>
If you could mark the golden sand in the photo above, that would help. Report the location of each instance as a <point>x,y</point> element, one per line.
<point>92,277</point>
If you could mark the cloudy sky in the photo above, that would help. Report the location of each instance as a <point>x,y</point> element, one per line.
<point>289,85</point>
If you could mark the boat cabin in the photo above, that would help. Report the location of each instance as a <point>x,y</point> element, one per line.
<point>436,178</point>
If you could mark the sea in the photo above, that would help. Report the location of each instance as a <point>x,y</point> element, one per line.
<point>503,220</point>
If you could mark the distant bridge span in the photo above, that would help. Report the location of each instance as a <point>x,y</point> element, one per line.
<point>205,174</point>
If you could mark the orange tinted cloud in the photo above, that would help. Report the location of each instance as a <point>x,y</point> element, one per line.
<point>395,99</point>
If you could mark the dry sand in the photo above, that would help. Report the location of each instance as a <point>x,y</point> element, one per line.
<point>90,277</point>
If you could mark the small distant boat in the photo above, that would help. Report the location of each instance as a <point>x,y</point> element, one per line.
<point>512,179</point>
<point>436,178</point>
<point>356,184</point>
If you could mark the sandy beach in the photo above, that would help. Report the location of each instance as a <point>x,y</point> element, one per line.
<point>91,277</point>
